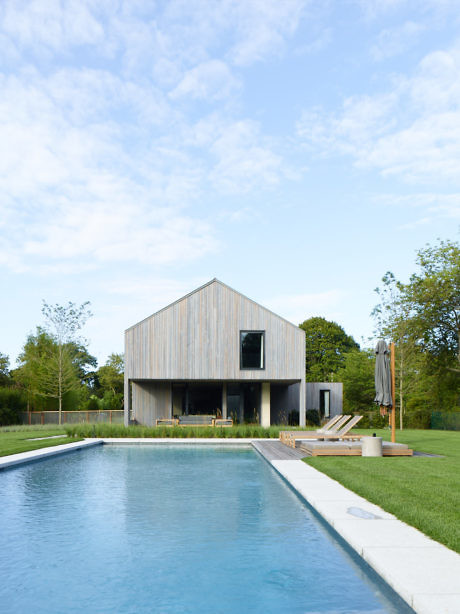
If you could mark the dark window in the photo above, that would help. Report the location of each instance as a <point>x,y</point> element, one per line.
<point>252,349</point>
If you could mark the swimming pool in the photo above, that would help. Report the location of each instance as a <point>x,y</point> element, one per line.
<point>171,529</point>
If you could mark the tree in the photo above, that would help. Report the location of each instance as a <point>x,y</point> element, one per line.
<point>4,369</point>
<point>111,380</point>
<point>54,371</point>
<point>432,300</point>
<point>111,375</point>
<point>357,376</point>
<point>423,318</point>
<point>391,316</point>
<point>326,347</point>
<point>36,350</point>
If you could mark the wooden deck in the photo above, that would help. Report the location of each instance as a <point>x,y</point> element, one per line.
<point>348,448</point>
<point>275,450</point>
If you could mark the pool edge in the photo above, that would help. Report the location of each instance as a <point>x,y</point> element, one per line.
<point>410,570</point>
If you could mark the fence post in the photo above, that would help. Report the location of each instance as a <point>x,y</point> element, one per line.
<point>30,418</point>
<point>43,418</point>
<point>87,416</point>
<point>110,416</point>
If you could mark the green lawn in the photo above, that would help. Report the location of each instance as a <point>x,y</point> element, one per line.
<point>423,492</point>
<point>13,439</point>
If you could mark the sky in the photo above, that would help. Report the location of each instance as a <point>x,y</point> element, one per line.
<point>295,150</point>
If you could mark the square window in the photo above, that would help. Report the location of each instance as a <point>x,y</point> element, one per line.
<point>252,349</point>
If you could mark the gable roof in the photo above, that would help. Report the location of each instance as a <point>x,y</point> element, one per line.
<point>212,281</point>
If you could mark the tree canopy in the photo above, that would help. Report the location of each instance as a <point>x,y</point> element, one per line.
<point>326,344</point>
<point>422,316</point>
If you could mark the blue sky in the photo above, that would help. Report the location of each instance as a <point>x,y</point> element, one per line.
<point>295,150</point>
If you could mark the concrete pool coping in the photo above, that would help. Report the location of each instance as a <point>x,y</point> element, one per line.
<point>422,571</point>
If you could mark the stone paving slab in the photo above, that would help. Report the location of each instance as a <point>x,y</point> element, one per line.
<point>423,572</point>
<point>350,509</point>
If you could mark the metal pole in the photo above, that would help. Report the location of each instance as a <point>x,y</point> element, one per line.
<point>393,390</point>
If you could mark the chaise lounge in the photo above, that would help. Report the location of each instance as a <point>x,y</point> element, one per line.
<point>343,434</point>
<point>332,426</point>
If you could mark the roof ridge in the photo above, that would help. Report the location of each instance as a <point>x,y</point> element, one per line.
<point>213,280</point>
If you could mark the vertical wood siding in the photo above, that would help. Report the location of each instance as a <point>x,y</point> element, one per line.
<point>198,338</point>
<point>336,388</point>
<point>151,401</point>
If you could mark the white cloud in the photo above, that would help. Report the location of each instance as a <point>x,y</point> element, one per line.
<point>74,191</point>
<point>412,131</point>
<point>50,24</point>
<point>431,205</point>
<point>394,41</point>
<point>262,27</point>
<point>208,81</point>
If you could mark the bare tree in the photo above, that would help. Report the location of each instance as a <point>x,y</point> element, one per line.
<point>58,374</point>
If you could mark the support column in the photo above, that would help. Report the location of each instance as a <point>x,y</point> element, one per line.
<point>224,399</point>
<point>302,402</point>
<point>127,401</point>
<point>265,405</point>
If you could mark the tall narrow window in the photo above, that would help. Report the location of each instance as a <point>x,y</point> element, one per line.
<point>325,403</point>
<point>252,349</point>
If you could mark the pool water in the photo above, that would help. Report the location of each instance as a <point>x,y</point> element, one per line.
<point>171,529</point>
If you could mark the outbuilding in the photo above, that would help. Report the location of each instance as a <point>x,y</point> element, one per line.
<point>215,351</point>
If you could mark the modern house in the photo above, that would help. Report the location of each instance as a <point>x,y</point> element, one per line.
<point>215,351</point>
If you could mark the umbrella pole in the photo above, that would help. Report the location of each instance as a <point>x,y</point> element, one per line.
<point>393,390</point>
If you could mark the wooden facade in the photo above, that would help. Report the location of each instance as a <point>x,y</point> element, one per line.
<point>197,338</point>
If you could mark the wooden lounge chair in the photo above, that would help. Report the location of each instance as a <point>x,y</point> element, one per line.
<point>166,422</point>
<point>332,426</point>
<point>343,433</point>
<point>223,422</point>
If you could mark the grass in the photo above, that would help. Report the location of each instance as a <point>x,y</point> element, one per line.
<point>13,439</point>
<point>119,430</point>
<point>423,492</point>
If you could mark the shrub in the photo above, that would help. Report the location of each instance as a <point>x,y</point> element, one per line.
<point>418,419</point>
<point>93,403</point>
<point>312,417</point>
<point>117,430</point>
<point>372,420</point>
<point>9,416</point>
<point>12,403</point>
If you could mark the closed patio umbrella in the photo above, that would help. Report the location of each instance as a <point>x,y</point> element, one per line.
<point>382,375</point>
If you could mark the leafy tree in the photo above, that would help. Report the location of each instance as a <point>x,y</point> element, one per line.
<point>111,380</point>
<point>53,362</point>
<point>111,375</point>
<point>4,369</point>
<point>357,376</point>
<point>326,347</point>
<point>423,318</point>
<point>432,300</point>
<point>36,350</point>
<point>391,316</point>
